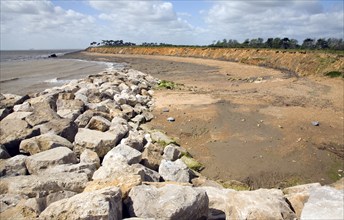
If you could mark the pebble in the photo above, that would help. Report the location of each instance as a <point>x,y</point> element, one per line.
<point>171,119</point>
<point>315,123</point>
<point>165,110</point>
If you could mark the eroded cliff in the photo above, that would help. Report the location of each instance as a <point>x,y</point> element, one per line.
<point>301,62</point>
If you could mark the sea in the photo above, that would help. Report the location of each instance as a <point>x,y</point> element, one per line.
<point>29,71</point>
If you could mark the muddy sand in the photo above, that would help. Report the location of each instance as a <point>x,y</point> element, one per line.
<point>247,123</point>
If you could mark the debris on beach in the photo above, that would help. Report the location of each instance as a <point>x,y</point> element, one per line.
<point>315,123</point>
<point>171,119</point>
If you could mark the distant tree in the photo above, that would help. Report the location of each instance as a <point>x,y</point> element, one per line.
<point>321,44</point>
<point>335,44</point>
<point>269,43</point>
<point>246,43</point>
<point>308,43</point>
<point>276,43</point>
<point>285,43</point>
<point>294,44</point>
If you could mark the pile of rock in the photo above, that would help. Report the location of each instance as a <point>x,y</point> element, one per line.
<point>81,151</point>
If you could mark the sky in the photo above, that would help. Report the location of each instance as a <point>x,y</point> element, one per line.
<point>57,24</point>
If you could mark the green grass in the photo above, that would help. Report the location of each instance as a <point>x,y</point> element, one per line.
<point>236,185</point>
<point>332,173</point>
<point>334,74</point>
<point>192,163</point>
<point>167,84</point>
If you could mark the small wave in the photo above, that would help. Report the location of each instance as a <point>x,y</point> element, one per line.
<point>56,81</point>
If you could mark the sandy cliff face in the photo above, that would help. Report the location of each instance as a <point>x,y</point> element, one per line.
<point>302,63</point>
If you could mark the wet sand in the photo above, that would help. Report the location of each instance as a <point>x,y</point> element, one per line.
<point>247,123</point>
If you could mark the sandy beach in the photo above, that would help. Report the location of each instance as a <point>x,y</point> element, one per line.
<point>243,122</point>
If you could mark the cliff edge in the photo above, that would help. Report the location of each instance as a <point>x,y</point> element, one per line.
<point>300,62</point>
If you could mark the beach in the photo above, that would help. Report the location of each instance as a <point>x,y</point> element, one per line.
<point>243,122</point>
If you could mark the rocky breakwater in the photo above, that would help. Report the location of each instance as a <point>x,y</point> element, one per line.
<point>81,151</point>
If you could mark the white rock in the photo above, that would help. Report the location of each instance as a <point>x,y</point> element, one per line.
<point>167,202</point>
<point>130,155</point>
<point>258,204</point>
<point>43,142</point>
<point>18,115</point>
<point>97,141</point>
<point>324,203</point>
<point>100,204</point>
<point>172,152</point>
<point>52,157</point>
<point>36,185</point>
<point>174,171</point>
<point>88,156</point>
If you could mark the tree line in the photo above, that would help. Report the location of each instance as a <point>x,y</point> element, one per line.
<point>273,43</point>
<point>283,43</point>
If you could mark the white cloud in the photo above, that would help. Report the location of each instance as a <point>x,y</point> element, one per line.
<point>151,21</point>
<point>41,24</point>
<point>274,18</point>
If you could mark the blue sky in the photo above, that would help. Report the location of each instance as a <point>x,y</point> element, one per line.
<point>74,24</point>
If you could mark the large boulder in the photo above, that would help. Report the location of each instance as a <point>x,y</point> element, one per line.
<point>49,158</point>
<point>13,131</point>
<point>135,139</point>
<point>172,152</point>
<point>324,203</point>
<point>152,156</point>
<point>101,204</point>
<point>163,139</point>
<point>129,154</point>
<point>168,202</point>
<point>298,195</point>
<point>69,108</point>
<point>43,142</point>
<point>174,171</point>
<point>97,141</point>
<point>98,123</point>
<point>258,204</point>
<point>9,100</point>
<point>13,166</point>
<point>88,156</point>
<point>116,169</point>
<point>125,183</point>
<point>218,199</point>
<point>36,185</point>
<point>18,115</point>
<point>42,112</point>
<point>87,168</point>
<point>119,126</point>
<point>62,127</point>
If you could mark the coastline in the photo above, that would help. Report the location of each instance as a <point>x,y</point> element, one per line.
<point>87,141</point>
<point>219,91</point>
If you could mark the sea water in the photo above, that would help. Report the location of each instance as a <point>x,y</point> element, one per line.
<point>29,71</point>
